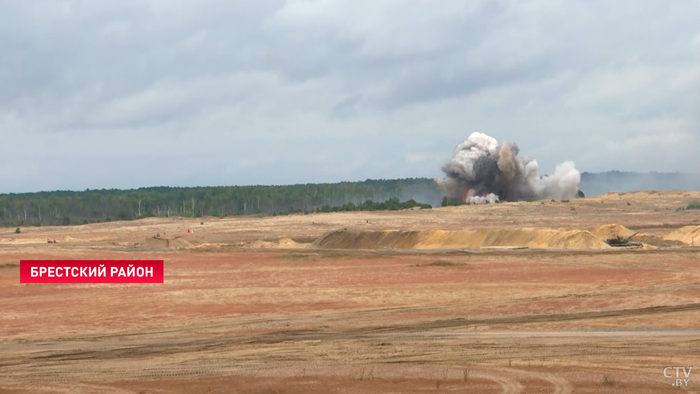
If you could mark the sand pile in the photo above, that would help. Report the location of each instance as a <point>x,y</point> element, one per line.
<point>688,235</point>
<point>437,239</point>
<point>282,243</point>
<point>609,231</point>
<point>567,239</point>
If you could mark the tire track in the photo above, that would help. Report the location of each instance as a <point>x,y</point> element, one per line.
<point>541,318</point>
<point>561,385</point>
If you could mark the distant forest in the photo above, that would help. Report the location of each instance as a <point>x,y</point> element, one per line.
<point>91,206</point>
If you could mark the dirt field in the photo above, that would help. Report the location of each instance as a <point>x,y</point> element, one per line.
<point>251,305</point>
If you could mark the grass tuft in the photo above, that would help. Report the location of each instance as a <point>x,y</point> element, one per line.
<point>608,381</point>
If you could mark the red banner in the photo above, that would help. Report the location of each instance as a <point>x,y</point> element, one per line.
<point>91,271</point>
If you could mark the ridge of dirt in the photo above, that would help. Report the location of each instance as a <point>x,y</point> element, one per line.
<point>689,235</point>
<point>442,239</point>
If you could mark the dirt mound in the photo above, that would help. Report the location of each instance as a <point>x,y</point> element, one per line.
<point>688,235</point>
<point>438,239</point>
<point>609,231</point>
<point>567,239</point>
<point>163,243</point>
<point>656,241</point>
<point>344,239</point>
<point>282,243</point>
<point>205,245</point>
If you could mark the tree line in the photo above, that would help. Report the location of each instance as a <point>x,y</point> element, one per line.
<point>93,206</point>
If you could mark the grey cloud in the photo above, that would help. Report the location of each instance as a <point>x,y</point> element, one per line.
<point>253,92</point>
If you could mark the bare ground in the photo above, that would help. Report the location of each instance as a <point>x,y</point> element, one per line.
<point>236,319</point>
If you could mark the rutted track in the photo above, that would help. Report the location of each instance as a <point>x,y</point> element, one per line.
<point>163,346</point>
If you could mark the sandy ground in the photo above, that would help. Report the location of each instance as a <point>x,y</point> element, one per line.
<point>235,316</point>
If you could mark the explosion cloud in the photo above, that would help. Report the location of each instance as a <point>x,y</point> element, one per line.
<point>481,167</point>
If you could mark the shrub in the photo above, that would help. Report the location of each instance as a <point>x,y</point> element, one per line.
<point>17,230</point>
<point>446,202</point>
<point>693,205</point>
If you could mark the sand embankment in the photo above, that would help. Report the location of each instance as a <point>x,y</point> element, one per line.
<point>437,239</point>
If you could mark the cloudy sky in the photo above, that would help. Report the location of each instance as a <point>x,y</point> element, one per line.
<point>131,93</point>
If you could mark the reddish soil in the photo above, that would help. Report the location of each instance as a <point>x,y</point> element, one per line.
<point>231,319</point>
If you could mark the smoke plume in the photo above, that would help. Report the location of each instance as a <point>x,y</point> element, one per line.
<point>480,167</point>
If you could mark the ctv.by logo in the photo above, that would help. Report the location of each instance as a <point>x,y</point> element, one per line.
<point>680,381</point>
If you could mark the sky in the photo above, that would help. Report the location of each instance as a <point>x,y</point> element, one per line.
<point>137,93</point>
